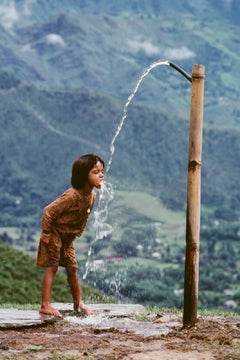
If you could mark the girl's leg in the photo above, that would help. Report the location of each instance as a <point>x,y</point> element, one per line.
<point>74,284</point>
<point>47,284</point>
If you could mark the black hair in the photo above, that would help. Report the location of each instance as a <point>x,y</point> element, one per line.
<point>81,168</point>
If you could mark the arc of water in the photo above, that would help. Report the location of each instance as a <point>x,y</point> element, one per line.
<point>106,193</point>
<point>131,96</point>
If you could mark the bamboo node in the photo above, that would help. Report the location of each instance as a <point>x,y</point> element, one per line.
<point>193,164</point>
<point>192,246</point>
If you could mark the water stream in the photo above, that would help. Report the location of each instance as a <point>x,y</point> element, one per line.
<point>130,98</point>
<point>106,193</point>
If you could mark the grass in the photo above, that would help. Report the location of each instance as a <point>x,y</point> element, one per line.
<point>132,261</point>
<point>21,356</point>
<point>217,312</point>
<point>33,348</point>
<point>67,357</point>
<point>19,306</point>
<point>201,312</point>
<point>165,310</point>
<point>149,206</point>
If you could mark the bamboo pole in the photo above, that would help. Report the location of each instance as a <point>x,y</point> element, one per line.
<point>191,277</point>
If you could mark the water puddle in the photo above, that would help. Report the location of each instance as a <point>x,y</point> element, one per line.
<point>124,318</point>
<point>144,328</point>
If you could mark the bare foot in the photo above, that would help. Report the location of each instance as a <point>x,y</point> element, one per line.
<point>85,310</point>
<point>49,310</point>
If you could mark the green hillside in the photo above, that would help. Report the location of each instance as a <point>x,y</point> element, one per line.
<point>21,279</point>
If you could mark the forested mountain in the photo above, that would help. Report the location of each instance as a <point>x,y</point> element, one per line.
<point>67,69</point>
<point>71,67</point>
<point>105,47</point>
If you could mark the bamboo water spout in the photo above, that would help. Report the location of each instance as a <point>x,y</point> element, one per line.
<point>191,277</point>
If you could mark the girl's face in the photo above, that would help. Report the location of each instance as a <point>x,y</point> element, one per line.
<point>96,175</point>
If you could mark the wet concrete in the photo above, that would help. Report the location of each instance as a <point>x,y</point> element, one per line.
<point>124,317</point>
<point>111,310</point>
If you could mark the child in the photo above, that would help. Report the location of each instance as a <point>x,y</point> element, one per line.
<point>63,220</point>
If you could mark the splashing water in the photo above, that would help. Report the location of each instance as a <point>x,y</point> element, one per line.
<point>131,96</point>
<point>103,229</point>
<point>101,214</point>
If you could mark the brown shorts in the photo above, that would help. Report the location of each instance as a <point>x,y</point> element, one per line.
<point>57,252</point>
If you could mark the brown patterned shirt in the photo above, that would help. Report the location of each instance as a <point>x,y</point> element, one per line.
<point>67,215</point>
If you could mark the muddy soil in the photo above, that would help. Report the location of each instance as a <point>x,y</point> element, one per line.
<point>146,336</point>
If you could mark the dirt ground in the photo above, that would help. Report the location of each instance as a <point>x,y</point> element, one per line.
<point>210,338</point>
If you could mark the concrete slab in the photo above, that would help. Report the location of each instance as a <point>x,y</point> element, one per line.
<point>121,317</point>
<point>14,318</point>
<point>117,316</point>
